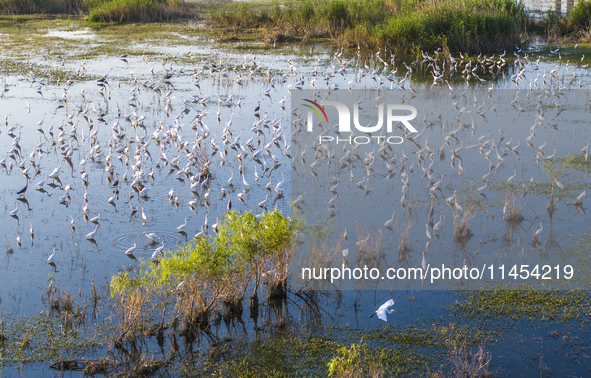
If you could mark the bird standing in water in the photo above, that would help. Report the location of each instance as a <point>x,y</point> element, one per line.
<point>50,258</point>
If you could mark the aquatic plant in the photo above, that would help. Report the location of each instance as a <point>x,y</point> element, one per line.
<point>355,361</point>
<point>462,232</point>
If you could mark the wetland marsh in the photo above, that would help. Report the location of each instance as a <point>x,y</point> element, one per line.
<point>152,124</point>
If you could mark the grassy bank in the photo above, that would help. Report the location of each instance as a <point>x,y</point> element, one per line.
<point>41,6</point>
<point>105,10</point>
<point>139,10</point>
<point>471,26</point>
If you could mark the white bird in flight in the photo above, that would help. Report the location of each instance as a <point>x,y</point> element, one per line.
<point>383,310</point>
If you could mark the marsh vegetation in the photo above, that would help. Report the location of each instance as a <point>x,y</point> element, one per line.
<point>473,26</point>
<point>402,26</point>
<point>105,10</point>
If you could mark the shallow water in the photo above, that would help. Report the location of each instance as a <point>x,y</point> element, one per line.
<point>24,271</point>
<point>483,178</point>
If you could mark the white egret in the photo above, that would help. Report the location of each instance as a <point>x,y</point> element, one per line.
<point>112,198</point>
<point>383,310</point>
<point>437,225</point>
<point>389,222</point>
<point>90,235</point>
<point>181,228</point>
<point>55,173</point>
<point>158,250</point>
<point>279,187</point>
<point>40,184</point>
<point>14,212</point>
<point>537,233</point>
<point>50,258</point>
<point>152,236</point>
<point>131,249</point>
<point>512,177</point>
<point>579,199</point>
<point>263,202</point>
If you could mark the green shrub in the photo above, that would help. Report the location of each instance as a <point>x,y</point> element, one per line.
<point>472,25</point>
<point>136,10</point>
<point>580,16</point>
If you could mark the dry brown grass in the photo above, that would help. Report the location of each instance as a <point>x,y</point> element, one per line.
<point>404,248</point>
<point>466,363</point>
<point>322,254</point>
<point>513,212</point>
<point>462,232</point>
<point>130,311</point>
<point>369,252</point>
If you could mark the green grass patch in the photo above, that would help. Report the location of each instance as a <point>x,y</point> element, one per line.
<point>139,10</point>
<point>106,10</point>
<point>313,357</point>
<point>41,6</point>
<point>472,25</point>
<point>439,336</point>
<point>44,337</point>
<point>524,305</point>
<point>572,162</point>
